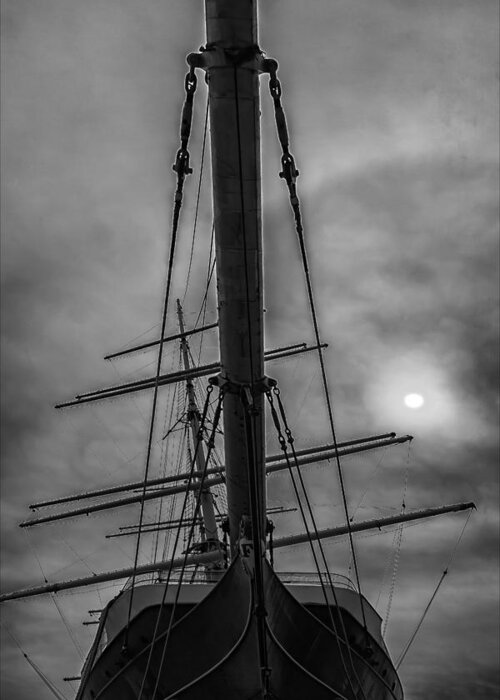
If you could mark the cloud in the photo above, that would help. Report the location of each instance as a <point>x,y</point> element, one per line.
<point>392,114</point>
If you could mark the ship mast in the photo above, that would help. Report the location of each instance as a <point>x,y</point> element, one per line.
<point>206,500</point>
<point>231,61</point>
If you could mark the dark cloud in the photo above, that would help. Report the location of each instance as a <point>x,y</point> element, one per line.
<point>393,120</point>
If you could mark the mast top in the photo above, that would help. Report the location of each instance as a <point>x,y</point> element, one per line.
<point>231,24</point>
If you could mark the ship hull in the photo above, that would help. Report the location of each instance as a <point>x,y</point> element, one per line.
<point>210,650</point>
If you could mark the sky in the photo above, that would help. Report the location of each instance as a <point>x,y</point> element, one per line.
<point>393,118</point>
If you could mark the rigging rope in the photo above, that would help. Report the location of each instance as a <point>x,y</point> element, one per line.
<point>408,644</point>
<point>197,201</point>
<point>256,534</point>
<point>210,445</point>
<point>388,562</point>
<point>66,624</point>
<point>177,534</point>
<point>284,449</point>
<point>210,272</point>
<point>181,167</point>
<point>397,540</point>
<point>252,415</point>
<point>243,229</point>
<point>368,482</point>
<point>132,341</point>
<point>290,174</point>
<point>174,500</point>
<point>177,537</point>
<point>53,597</point>
<point>53,689</point>
<point>359,505</point>
<point>80,558</point>
<point>165,446</point>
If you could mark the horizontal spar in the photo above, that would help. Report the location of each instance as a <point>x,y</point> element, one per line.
<point>183,375</point>
<point>140,385</point>
<point>120,502</point>
<point>332,452</point>
<point>166,525</point>
<point>153,343</point>
<point>203,558</point>
<point>376,523</point>
<point>120,488</point>
<point>273,510</point>
<point>208,483</point>
<point>207,557</point>
<point>371,443</point>
<point>346,443</point>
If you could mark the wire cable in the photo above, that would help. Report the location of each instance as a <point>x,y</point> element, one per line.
<point>177,537</point>
<point>54,600</point>
<point>198,193</point>
<point>289,174</point>
<point>310,538</point>
<point>191,533</point>
<point>182,169</point>
<point>254,460</point>
<point>398,538</point>
<point>163,461</point>
<point>210,272</point>
<point>57,693</point>
<point>408,644</point>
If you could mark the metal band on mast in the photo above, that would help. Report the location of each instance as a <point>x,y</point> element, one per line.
<point>180,376</point>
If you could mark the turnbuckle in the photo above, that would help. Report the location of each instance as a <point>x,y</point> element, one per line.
<point>181,165</point>
<point>289,172</point>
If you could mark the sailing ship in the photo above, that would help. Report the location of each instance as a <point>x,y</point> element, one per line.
<point>217,620</point>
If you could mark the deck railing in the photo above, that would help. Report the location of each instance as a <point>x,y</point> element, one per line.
<point>293,578</point>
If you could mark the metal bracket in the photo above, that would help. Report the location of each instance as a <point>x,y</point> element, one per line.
<point>268,65</point>
<point>250,57</point>
<point>246,391</point>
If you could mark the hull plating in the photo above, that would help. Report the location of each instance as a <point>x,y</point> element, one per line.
<point>212,651</point>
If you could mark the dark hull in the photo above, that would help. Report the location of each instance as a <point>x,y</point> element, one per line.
<point>212,652</point>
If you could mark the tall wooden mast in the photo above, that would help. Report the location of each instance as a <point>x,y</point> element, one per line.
<point>231,60</point>
<point>193,415</point>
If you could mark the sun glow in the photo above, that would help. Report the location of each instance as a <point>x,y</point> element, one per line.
<point>414,400</point>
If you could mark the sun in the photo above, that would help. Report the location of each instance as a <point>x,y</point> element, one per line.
<point>414,400</point>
